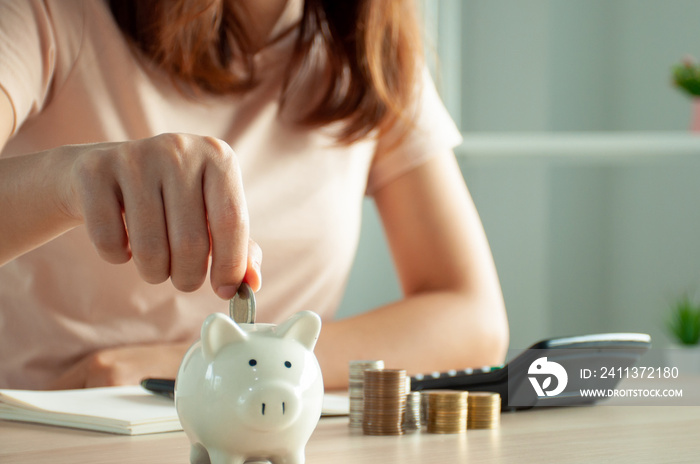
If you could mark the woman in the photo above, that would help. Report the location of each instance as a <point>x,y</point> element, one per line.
<point>147,141</point>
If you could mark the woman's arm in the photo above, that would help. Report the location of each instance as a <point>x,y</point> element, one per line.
<point>452,314</point>
<point>112,188</point>
<point>30,200</point>
<point>167,202</point>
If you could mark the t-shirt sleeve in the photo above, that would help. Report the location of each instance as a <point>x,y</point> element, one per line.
<point>38,41</point>
<point>431,132</point>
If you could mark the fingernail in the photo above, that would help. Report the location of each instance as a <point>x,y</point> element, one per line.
<point>226,291</point>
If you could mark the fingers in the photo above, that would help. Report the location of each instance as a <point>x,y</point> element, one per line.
<point>102,211</point>
<point>99,369</point>
<point>188,235</point>
<point>105,368</point>
<point>105,227</point>
<point>74,377</point>
<point>170,202</point>
<point>125,365</point>
<point>145,222</point>
<point>228,221</point>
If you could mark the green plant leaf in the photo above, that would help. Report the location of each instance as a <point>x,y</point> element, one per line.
<point>684,322</point>
<point>687,78</point>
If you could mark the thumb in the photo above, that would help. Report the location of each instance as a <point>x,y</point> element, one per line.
<point>253,276</point>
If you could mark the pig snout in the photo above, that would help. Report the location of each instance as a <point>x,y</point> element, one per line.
<point>272,407</point>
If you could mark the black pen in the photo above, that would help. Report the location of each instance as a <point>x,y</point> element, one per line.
<point>164,387</point>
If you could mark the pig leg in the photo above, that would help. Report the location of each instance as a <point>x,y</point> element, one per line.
<point>222,457</point>
<point>199,455</point>
<point>294,457</point>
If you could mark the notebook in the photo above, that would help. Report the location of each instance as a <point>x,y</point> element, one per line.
<point>128,410</point>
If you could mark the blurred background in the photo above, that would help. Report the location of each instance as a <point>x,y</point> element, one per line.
<point>578,156</point>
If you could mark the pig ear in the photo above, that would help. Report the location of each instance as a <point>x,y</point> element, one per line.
<point>304,327</point>
<point>218,331</point>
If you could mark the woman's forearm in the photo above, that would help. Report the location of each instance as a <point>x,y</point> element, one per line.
<point>30,202</point>
<point>32,191</point>
<point>425,332</point>
<point>453,314</point>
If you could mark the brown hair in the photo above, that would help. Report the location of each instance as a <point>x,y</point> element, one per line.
<point>374,42</point>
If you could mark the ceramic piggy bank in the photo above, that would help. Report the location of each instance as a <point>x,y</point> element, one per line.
<point>251,391</point>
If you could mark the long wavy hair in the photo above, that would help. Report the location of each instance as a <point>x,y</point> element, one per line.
<point>373,48</point>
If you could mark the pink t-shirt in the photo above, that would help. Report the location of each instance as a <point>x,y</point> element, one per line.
<point>72,78</point>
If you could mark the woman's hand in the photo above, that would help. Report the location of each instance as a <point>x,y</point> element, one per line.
<point>123,366</point>
<point>168,202</point>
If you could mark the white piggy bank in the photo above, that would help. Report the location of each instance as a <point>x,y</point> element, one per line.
<point>251,391</point>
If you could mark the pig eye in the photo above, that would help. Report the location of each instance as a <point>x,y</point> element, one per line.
<point>252,362</point>
<point>287,364</point>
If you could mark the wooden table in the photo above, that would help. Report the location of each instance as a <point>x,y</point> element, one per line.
<point>612,431</point>
<point>603,433</point>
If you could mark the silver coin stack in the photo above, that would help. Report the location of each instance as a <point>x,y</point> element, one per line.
<point>412,414</point>
<point>424,408</point>
<point>356,389</point>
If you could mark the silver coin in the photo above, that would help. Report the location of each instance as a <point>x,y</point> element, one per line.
<point>242,306</point>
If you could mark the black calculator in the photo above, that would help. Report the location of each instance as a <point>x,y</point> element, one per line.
<point>522,382</point>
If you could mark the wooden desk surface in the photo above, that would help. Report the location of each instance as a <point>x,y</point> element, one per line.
<point>634,434</point>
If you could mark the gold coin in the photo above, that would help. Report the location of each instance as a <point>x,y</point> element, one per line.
<point>447,411</point>
<point>484,410</point>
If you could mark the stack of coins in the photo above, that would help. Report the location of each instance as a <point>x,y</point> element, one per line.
<point>385,401</point>
<point>447,411</point>
<point>412,413</point>
<point>484,410</point>
<point>424,407</point>
<point>356,389</point>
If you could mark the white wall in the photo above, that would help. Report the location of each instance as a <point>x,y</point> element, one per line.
<point>649,37</point>
<point>580,247</point>
<point>572,64</point>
